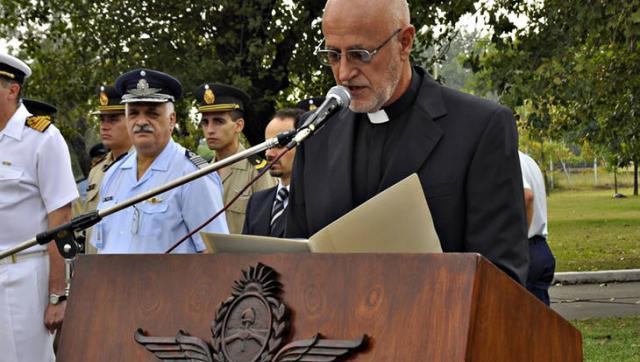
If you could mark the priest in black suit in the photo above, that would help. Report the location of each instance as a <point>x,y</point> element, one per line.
<point>266,210</point>
<point>400,121</point>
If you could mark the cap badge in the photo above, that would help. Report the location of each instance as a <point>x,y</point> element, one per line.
<point>142,85</point>
<point>142,89</point>
<point>104,99</point>
<point>209,97</point>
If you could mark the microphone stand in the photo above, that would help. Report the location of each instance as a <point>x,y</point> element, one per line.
<point>64,235</point>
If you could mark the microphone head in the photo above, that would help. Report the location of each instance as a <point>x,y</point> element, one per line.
<point>341,94</point>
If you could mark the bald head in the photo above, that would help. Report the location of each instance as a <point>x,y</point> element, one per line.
<point>382,31</point>
<point>393,14</point>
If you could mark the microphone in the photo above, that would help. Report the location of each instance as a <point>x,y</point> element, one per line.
<point>336,99</point>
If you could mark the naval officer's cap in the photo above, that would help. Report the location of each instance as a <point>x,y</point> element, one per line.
<point>109,100</point>
<point>310,104</point>
<point>12,68</point>
<point>148,86</point>
<point>221,98</point>
<point>39,108</point>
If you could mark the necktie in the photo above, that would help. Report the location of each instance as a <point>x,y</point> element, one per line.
<point>278,205</point>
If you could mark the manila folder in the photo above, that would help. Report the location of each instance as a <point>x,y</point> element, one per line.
<point>396,220</point>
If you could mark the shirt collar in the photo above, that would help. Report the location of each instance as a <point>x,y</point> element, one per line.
<point>281,186</point>
<point>398,107</point>
<point>16,123</point>
<point>160,163</point>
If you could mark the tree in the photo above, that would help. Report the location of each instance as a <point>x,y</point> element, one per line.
<point>263,46</point>
<point>576,66</point>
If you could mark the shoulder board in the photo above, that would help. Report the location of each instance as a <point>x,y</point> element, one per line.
<point>106,167</point>
<point>39,123</point>
<point>197,161</point>
<point>257,161</point>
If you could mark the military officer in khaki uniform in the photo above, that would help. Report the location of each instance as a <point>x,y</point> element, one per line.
<point>114,135</point>
<point>224,112</point>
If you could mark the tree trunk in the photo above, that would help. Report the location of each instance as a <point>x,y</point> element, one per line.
<point>615,179</point>
<point>635,177</point>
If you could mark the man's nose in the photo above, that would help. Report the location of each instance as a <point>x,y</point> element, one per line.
<point>346,70</point>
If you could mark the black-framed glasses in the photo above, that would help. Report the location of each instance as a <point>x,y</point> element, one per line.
<point>354,56</point>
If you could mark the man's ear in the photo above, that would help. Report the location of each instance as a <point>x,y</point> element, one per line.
<point>406,41</point>
<point>14,90</point>
<point>239,125</point>
<point>172,120</point>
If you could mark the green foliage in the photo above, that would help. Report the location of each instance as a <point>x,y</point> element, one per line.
<point>263,46</point>
<point>573,74</point>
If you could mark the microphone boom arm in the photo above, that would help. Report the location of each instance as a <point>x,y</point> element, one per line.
<point>68,248</point>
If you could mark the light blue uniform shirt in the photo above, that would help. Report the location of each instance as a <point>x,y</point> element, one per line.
<point>154,225</point>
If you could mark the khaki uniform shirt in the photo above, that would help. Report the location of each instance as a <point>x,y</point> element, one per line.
<point>234,178</point>
<point>93,192</point>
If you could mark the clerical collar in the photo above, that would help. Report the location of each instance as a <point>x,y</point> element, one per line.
<point>398,107</point>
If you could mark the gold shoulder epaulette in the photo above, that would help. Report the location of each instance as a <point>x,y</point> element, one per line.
<point>257,162</point>
<point>39,123</point>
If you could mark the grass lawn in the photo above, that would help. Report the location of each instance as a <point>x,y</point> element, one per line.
<point>589,230</point>
<point>610,339</point>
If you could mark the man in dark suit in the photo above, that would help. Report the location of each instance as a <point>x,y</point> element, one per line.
<point>400,121</point>
<point>266,210</point>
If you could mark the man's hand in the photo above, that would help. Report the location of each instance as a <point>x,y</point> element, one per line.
<point>53,316</point>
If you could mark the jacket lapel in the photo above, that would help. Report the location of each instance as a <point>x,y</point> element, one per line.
<point>421,134</point>
<point>263,225</point>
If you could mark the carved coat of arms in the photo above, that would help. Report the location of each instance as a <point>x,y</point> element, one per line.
<point>250,326</point>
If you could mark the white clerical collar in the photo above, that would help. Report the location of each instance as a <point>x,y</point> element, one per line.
<point>378,117</point>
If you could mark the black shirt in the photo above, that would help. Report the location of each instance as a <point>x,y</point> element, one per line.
<point>374,143</point>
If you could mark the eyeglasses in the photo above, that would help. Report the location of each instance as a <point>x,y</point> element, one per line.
<point>354,56</point>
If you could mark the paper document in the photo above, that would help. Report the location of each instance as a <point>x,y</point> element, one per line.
<point>396,220</point>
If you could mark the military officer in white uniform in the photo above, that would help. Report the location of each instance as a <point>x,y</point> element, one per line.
<point>154,225</point>
<point>36,190</point>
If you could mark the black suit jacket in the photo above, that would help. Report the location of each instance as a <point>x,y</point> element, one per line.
<point>465,151</point>
<point>258,214</point>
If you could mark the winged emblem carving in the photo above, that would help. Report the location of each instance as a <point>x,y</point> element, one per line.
<point>250,326</point>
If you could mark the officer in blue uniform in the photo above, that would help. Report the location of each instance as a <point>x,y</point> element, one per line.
<point>155,224</point>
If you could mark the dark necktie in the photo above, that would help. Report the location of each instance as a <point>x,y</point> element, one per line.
<point>278,205</point>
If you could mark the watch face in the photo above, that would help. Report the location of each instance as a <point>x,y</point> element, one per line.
<point>55,299</point>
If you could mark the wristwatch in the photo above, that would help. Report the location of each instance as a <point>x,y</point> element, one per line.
<point>56,299</point>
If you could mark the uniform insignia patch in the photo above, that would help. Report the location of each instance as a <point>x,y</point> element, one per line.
<point>6,163</point>
<point>39,123</point>
<point>257,162</point>
<point>197,161</point>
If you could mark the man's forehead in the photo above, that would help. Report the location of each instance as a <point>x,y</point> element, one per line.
<point>279,124</point>
<point>216,115</point>
<point>145,106</point>
<point>109,116</point>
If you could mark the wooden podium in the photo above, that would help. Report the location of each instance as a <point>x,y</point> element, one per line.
<point>412,307</point>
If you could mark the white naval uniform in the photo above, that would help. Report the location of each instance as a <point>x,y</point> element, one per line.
<point>154,225</point>
<point>35,179</point>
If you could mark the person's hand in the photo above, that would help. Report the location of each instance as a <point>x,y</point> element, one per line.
<point>53,316</point>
